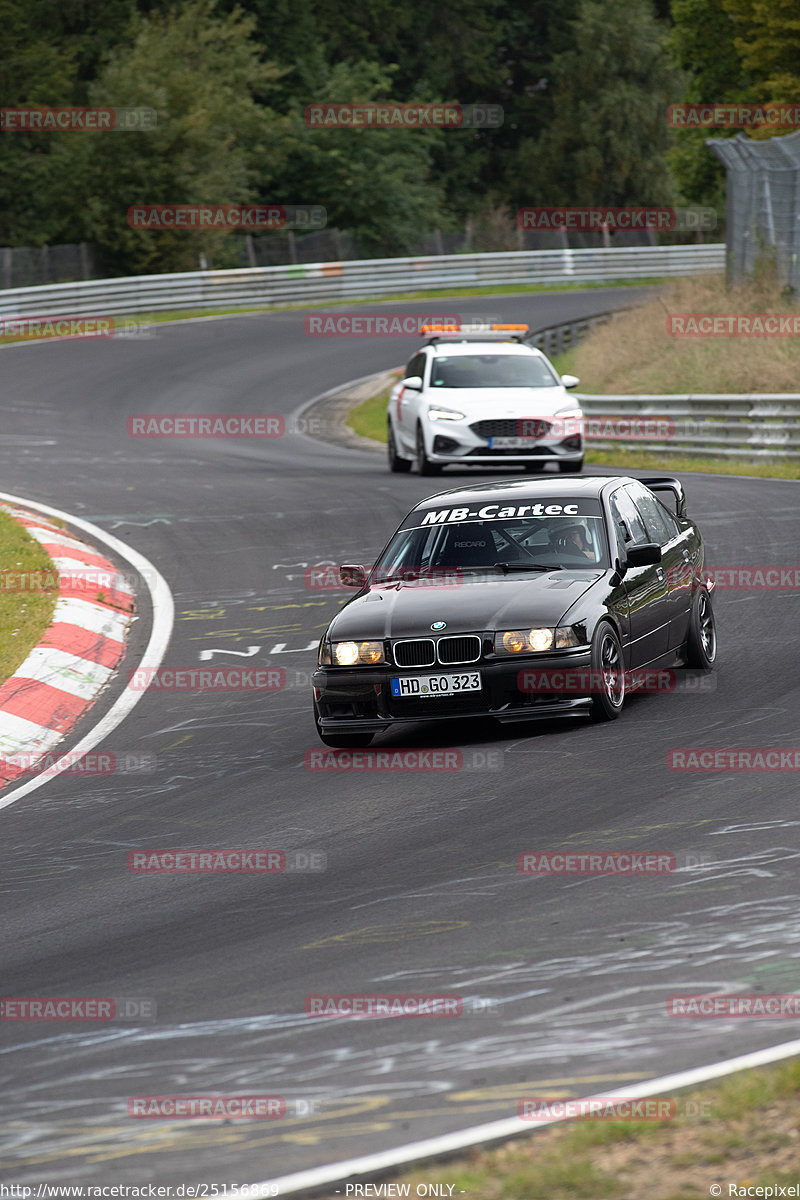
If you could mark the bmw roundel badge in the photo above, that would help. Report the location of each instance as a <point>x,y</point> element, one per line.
<point>437,625</point>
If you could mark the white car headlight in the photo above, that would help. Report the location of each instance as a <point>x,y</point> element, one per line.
<point>435,413</point>
<point>570,422</point>
<point>528,641</point>
<point>351,654</point>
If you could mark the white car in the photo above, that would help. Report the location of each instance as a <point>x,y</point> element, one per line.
<point>480,397</point>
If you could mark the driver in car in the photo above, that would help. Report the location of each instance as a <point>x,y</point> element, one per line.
<point>574,540</point>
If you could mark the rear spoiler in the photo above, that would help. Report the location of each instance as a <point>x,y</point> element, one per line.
<point>668,483</point>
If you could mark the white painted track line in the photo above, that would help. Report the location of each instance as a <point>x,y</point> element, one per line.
<point>355,1169</point>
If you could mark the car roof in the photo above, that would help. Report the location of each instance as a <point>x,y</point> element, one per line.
<point>524,489</point>
<point>456,348</point>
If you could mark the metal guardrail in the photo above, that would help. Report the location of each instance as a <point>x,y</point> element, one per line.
<point>765,425</point>
<point>556,339</point>
<point>363,279</point>
<point>754,426</point>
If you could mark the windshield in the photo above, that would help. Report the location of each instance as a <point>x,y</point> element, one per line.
<point>547,541</point>
<point>491,371</point>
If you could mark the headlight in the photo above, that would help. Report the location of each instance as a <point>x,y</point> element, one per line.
<point>351,654</point>
<point>445,414</point>
<point>534,641</point>
<point>570,421</point>
<point>324,656</point>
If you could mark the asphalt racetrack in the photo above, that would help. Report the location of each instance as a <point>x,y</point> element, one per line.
<point>563,979</point>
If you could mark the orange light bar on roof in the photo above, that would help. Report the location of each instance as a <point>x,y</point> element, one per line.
<point>475,329</point>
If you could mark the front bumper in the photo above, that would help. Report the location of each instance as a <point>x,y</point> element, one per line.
<point>456,441</point>
<point>360,700</point>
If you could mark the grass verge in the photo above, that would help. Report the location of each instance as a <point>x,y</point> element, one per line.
<point>369,419</point>
<point>25,613</point>
<point>635,353</point>
<point>745,1130</point>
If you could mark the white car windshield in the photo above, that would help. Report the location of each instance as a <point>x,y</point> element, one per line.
<point>491,371</point>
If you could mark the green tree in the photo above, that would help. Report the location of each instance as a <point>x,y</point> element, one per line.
<point>375,182</point>
<point>702,45</point>
<point>34,70</point>
<point>606,142</point>
<point>205,76</point>
<point>464,51</point>
<point>767,38</point>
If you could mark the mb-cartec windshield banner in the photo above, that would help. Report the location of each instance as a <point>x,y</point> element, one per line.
<point>496,512</point>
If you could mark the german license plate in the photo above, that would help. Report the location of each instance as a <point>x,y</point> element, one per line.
<point>423,686</point>
<point>512,443</point>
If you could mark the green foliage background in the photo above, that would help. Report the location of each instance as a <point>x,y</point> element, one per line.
<point>584,86</point>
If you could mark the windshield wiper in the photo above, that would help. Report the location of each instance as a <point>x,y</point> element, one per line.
<point>506,567</point>
<point>409,574</point>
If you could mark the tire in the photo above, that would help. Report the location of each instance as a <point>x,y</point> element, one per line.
<point>568,468</point>
<point>396,464</point>
<point>426,467</point>
<point>607,654</point>
<point>341,741</point>
<point>533,468</point>
<point>701,642</point>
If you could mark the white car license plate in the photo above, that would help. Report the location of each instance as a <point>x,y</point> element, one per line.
<point>424,686</point>
<point>512,443</point>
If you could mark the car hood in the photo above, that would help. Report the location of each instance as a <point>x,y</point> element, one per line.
<point>499,403</point>
<point>470,604</point>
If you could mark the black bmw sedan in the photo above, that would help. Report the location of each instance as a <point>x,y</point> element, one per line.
<point>518,600</point>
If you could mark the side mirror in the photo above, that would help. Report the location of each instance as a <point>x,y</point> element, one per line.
<point>646,555</point>
<point>413,383</point>
<point>570,381</point>
<point>352,575</point>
